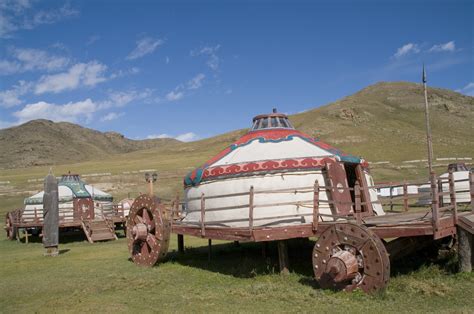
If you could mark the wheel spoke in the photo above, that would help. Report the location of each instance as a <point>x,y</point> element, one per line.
<point>146,216</point>
<point>151,240</point>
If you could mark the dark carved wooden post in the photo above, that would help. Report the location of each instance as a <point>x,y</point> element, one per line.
<point>50,216</point>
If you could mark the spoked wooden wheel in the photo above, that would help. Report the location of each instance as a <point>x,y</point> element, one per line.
<point>349,256</point>
<point>148,231</point>
<point>9,228</point>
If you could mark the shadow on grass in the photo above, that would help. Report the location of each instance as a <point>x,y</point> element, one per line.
<point>246,260</point>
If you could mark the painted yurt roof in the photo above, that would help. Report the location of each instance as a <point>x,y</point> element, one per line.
<point>271,145</point>
<point>70,187</point>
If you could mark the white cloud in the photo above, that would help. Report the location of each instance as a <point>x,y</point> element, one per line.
<point>27,59</point>
<point>167,60</point>
<point>17,15</point>
<point>409,48</point>
<point>213,60</point>
<point>196,82</point>
<point>449,46</point>
<point>144,46</point>
<point>11,97</point>
<point>174,95</point>
<point>81,74</point>
<point>111,116</point>
<point>120,99</point>
<point>71,112</point>
<point>185,137</point>
<point>467,90</point>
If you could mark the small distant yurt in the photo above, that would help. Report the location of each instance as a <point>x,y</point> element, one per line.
<point>75,198</point>
<point>273,155</point>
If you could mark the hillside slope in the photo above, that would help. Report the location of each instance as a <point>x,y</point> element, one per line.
<point>43,142</point>
<point>386,121</point>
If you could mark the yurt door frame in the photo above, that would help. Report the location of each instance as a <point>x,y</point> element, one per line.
<point>83,207</point>
<point>354,173</point>
<point>340,193</point>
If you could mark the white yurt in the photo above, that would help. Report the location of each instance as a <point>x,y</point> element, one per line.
<point>70,188</point>
<point>275,156</point>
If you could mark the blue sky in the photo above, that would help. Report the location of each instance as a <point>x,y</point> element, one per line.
<point>194,69</point>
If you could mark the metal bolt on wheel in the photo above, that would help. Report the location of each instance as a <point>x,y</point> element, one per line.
<point>148,231</point>
<point>349,256</point>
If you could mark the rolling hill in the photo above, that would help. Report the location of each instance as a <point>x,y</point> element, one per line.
<point>43,142</point>
<point>384,121</point>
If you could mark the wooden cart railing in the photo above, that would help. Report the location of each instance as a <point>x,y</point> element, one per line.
<point>359,211</point>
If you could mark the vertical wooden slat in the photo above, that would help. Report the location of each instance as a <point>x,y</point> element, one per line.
<point>452,195</point>
<point>315,205</point>
<point>203,215</point>
<point>434,202</point>
<point>357,203</point>
<point>251,196</point>
<point>440,192</point>
<point>405,195</point>
<point>391,196</point>
<point>471,184</point>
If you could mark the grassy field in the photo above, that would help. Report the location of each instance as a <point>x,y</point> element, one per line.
<point>100,278</point>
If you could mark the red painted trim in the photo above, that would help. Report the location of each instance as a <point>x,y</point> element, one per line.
<point>266,165</point>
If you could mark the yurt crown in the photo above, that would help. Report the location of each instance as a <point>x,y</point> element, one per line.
<point>271,121</point>
<point>70,177</point>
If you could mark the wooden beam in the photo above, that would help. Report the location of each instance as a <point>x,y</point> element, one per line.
<point>315,206</point>
<point>203,215</point>
<point>452,196</point>
<point>283,257</point>
<point>405,195</point>
<point>465,250</point>
<point>434,203</point>
<point>251,195</point>
<point>357,203</point>
<point>180,243</point>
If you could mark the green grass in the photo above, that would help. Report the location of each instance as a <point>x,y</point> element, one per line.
<point>100,278</point>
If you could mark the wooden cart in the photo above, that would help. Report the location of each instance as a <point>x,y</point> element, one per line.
<point>352,251</point>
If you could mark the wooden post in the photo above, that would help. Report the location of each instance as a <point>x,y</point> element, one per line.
<point>405,195</point>
<point>471,185</point>
<point>251,194</point>
<point>180,243</point>
<point>357,203</point>
<point>452,196</point>
<point>315,206</point>
<point>176,207</point>
<point>465,247</point>
<point>264,249</point>
<point>209,249</point>
<point>203,215</point>
<point>36,215</point>
<point>391,196</point>
<point>440,192</point>
<point>283,256</point>
<point>434,203</point>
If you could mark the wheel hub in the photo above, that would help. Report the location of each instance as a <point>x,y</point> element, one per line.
<point>140,232</point>
<point>342,266</point>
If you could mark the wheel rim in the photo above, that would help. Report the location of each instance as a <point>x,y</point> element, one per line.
<point>147,231</point>
<point>9,227</point>
<point>348,256</point>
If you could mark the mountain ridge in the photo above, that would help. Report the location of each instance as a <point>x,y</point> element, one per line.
<point>383,121</point>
